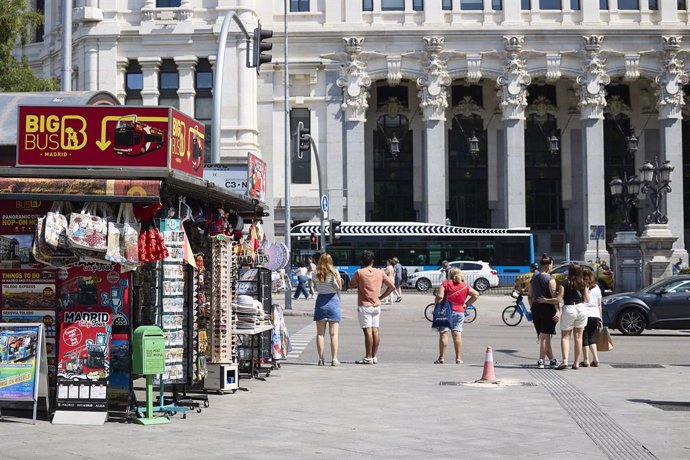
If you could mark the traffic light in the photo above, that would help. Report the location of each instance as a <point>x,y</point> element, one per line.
<point>333,228</point>
<point>304,140</point>
<point>260,46</point>
<point>312,239</point>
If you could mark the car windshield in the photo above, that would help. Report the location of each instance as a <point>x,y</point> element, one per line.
<point>671,285</point>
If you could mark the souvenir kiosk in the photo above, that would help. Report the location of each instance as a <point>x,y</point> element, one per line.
<point>109,207</point>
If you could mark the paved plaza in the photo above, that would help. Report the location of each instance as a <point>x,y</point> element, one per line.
<point>634,406</point>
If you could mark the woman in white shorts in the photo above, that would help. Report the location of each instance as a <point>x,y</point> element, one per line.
<point>574,294</point>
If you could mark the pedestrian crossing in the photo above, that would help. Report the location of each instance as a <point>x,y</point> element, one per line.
<point>301,339</point>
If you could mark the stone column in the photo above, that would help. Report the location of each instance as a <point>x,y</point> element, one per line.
<point>512,92</point>
<point>186,91</point>
<point>336,167</point>
<point>121,88</point>
<point>590,12</point>
<point>355,82</point>
<point>149,70</point>
<point>592,100</point>
<point>626,262</point>
<point>433,97</point>
<point>91,74</point>
<point>668,10</point>
<point>670,103</point>
<point>656,246</point>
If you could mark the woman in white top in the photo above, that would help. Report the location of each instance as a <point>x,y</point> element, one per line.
<point>593,311</point>
<point>327,307</point>
<point>302,281</point>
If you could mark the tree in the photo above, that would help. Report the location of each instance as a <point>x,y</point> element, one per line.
<point>16,23</point>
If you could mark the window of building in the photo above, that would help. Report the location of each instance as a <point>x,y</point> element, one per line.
<point>168,3</point>
<point>548,92</point>
<point>653,4</point>
<point>299,6</point>
<point>301,167</point>
<point>628,4</point>
<point>682,5</point>
<point>461,91</point>
<point>417,5</point>
<point>526,4</point>
<point>549,4</point>
<point>575,5</point>
<point>203,102</point>
<point>40,29</point>
<point>134,83</point>
<point>447,5</point>
<point>392,5</point>
<point>367,5</point>
<point>168,84</point>
<point>472,5</point>
<point>497,5</point>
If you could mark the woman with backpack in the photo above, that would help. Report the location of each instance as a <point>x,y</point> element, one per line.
<point>460,295</point>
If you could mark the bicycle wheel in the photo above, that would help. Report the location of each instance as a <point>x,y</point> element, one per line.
<point>470,314</point>
<point>429,312</point>
<point>512,315</point>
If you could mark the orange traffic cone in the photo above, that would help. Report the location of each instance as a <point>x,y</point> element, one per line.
<point>488,375</point>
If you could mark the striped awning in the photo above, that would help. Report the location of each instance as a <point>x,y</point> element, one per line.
<point>404,229</point>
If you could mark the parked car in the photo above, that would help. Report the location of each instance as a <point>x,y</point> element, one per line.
<point>662,305</point>
<point>560,272</point>
<point>477,273</point>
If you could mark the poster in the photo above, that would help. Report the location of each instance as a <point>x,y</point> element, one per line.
<point>96,285</point>
<point>19,349</point>
<point>17,227</point>
<point>231,177</point>
<point>84,359</point>
<point>257,178</point>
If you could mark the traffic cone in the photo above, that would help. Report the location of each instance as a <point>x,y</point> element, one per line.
<point>488,375</point>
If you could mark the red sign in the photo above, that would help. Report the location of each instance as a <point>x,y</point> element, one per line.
<point>19,216</point>
<point>109,137</point>
<point>257,178</point>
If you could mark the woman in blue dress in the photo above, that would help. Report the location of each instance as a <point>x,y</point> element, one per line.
<point>327,308</point>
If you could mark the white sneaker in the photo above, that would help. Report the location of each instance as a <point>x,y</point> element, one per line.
<point>374,360</point>
<point>540,364</point>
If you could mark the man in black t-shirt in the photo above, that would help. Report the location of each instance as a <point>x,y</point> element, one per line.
<point>544,315</point>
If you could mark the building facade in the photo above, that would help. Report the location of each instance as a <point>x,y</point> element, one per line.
<point>481,113</point>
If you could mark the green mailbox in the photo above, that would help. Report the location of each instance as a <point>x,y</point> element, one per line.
<point>148,351</point>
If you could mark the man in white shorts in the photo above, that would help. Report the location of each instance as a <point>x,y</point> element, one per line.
<point>368,282</point>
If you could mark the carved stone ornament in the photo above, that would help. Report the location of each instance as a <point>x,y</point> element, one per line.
<point>632,67</point>
<point>671,80</point>
<point>392,108</point>
<point>355,81</point>
<point>433,85</point>
<point>394,73</point>
<point>513,82</point>
<point>592,95</point>
<point>615,106</point>
<point>468,107</point>
<point>474,71</point>
<point>541,108</point>
<point>553,67</point>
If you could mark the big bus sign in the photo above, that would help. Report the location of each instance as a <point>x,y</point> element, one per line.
<point>110,137</point>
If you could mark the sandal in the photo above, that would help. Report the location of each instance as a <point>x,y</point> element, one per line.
<point>584,364</point>
<point>439,361</point>
<point>562,367</point>
<point>575,367</point>
<point>595,363</point>
<point>458,361</point>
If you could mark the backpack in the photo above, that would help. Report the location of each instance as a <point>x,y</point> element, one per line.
<point>404,274</point>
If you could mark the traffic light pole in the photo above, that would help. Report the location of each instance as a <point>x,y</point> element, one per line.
<point>300,128</point>
<point>218,80</point>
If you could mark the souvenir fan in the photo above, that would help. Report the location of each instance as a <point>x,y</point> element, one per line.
<point>151,245</point>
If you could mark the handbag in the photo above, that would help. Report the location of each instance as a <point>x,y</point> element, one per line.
<point>443,312</point>
<point>55,226</point>
<point>604,342</point>
<point>123,237</point>
<point>87,230</point>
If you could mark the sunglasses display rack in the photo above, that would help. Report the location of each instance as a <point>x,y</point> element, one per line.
<point>223,299</point>
<point>202,308</point>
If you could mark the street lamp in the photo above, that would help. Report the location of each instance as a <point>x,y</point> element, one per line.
<point>394,146</point>
<point>624,193</point>
<point>553,145</point>
<point>656,180</point>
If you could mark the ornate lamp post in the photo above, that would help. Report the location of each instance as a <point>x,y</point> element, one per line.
<point>624,193</point>
<point>656,182</point>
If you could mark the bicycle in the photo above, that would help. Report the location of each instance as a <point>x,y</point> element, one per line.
<point>512,314</point>
<point>470,313</point>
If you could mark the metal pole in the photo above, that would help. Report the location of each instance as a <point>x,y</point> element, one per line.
<point>288,218</point>
<point>66,83</point>
<point>318,174</point>
<point>218,80</point>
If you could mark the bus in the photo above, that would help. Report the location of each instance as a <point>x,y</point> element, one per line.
<point>418,246</point>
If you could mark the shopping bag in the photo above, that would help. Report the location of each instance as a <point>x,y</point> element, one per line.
<point>55,227</point>
<point>45,254</point>
<point>443,312</point>
<point>89,228</point>
<point>123,237</point>
<point>604,342</point>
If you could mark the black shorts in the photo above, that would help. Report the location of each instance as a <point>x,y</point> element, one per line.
<point>542,317</point>
<point>589,337</point>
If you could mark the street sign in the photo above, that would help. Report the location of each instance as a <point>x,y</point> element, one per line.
<point>324,206</point>
<point>597,232</point>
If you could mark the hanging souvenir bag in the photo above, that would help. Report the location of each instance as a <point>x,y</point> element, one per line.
<point>46,254</point>
<point>89,228</point>
<point>123,237</point>
<point>55,226</point>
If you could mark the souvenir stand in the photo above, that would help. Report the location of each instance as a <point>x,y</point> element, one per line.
<point>183,277</point>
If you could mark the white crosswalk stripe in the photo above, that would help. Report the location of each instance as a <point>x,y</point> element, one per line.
<point>301,339</point>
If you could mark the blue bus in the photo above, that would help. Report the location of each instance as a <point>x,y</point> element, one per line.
<point>418,246</point>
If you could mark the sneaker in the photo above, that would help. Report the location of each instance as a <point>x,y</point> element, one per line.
<point>553,364</point>
<point>374,360</point>
<point>335,362</point>
<point>540,364</point>
<point>365,361</point>
<point>399,299</point>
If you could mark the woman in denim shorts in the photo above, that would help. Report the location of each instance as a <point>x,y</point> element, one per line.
<point>460,296</point>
